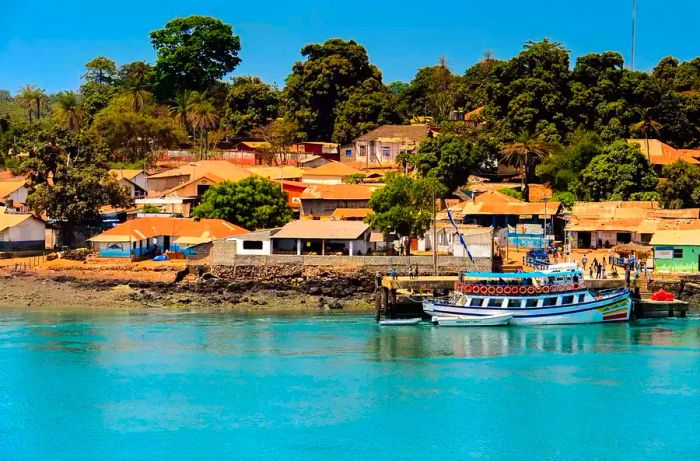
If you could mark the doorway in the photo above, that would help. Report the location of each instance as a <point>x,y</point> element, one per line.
<point>166,243</point>
<point>584,239</point>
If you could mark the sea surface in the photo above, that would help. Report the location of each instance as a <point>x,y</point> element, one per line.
<point>337,387</point>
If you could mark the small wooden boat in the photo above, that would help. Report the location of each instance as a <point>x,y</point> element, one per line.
<point>473,320</point>
<point>399,322</point>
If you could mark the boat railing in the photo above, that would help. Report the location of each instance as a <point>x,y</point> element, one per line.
<point>506,290</point>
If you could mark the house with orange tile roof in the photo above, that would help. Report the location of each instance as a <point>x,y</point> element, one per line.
<point>329,173</point>
<point>661,154</point>
<point>172,178</point>
<point>319,201</point>
<point>523,221</point>
<point>350,214</point>
<point>14,192</point>
<point>145,237</point>
<point>606,224</point>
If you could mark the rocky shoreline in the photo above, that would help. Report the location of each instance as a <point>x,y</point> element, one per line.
<point>204,292</point>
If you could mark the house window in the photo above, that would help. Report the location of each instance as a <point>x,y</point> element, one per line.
<point>296,200</point>
<point>624,237</point>
<point>348,152</point>
<point>252,244</point>
<point>363,151</point>
<point>386,151</point>
<point>677,253</point>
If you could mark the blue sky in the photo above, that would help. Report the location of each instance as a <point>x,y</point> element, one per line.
<point>46,42</point>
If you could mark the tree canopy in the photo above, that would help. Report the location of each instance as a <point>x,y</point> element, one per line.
<point>617,173</point>
<point>404,206</point>
<point>681,185</point>
<point>252,203</point>
<point>192,54</point>
<point>319,85</point>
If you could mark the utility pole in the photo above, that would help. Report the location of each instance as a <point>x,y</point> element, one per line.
<point>434,237</point>
<point>634,31</point>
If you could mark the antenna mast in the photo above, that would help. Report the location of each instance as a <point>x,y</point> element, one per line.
<point>634,30</point>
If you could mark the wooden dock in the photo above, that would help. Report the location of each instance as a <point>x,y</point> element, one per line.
<point>646,308</point>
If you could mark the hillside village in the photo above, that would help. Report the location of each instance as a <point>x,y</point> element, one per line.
<point>576,159</point>
<point>329,215</point>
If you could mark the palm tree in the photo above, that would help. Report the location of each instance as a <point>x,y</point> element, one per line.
<point>135,84</point>
<point>30,97</point>
<point>179,110</point>
<point>68,111</point>
<point>524,153</point>
<point>201,114</point>
<point>646,125</point>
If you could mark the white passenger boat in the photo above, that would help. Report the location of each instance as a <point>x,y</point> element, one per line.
<point>472,320</point>
<point>557,295</point>
<point>399,322</point>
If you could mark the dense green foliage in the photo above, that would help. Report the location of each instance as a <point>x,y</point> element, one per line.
<point>617,173</point>
<point>681,187</point>
<point>193,53</point>
<point>252,203</point>
<point>555,120</point>
<point>68,178</point>
<point>317,87</point>
<point>451,158</point>
<point>404,206</point>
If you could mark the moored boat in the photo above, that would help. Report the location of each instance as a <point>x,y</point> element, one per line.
<point>557,295</point>
<point>472,320</point>
<point>399,322</point>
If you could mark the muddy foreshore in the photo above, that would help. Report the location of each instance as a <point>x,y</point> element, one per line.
<point>201,294</point>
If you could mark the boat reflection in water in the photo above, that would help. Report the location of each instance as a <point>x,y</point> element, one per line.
<point>434,342</point>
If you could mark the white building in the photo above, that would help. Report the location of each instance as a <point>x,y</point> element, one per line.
<point>21,231</point>
<point>381,146</point>
<point>479,240</point>
<point>312,237</point>
<point>256,243</point>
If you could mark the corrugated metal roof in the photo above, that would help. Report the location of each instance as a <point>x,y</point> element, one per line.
<point>339,191</point>
<point>332,168</point>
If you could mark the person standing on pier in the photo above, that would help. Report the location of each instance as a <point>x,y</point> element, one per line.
<point>584,261</point>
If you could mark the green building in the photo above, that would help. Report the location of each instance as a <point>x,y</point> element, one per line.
<point>676,250</point>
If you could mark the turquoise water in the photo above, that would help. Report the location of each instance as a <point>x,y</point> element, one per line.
<point>183,386</point>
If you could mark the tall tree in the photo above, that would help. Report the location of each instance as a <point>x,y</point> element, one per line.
<point>317,87</point>
<point>451,158</point>
<point>192,54</point>
<point>369,106</point>
<point>681,188</point>
<point>620,171</point>
<point>135,81</point>
<point>404,206</point>
<point>525,153</point>
<point>202,117</point>
<point>68,111</point>
<point>31,98</point>
<point>68,178</point>
<point>251,103</point>
<point>648,127</point>
<point>531,93</point>
<point>252,203</point>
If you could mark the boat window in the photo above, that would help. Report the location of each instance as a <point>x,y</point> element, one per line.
<point>567,299</point>
<point>515,303</point>
<point>581,298</point>
<point>551,301</point>
<point>531,302</point>
<point>495,302</point>
<point>476,302</point>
